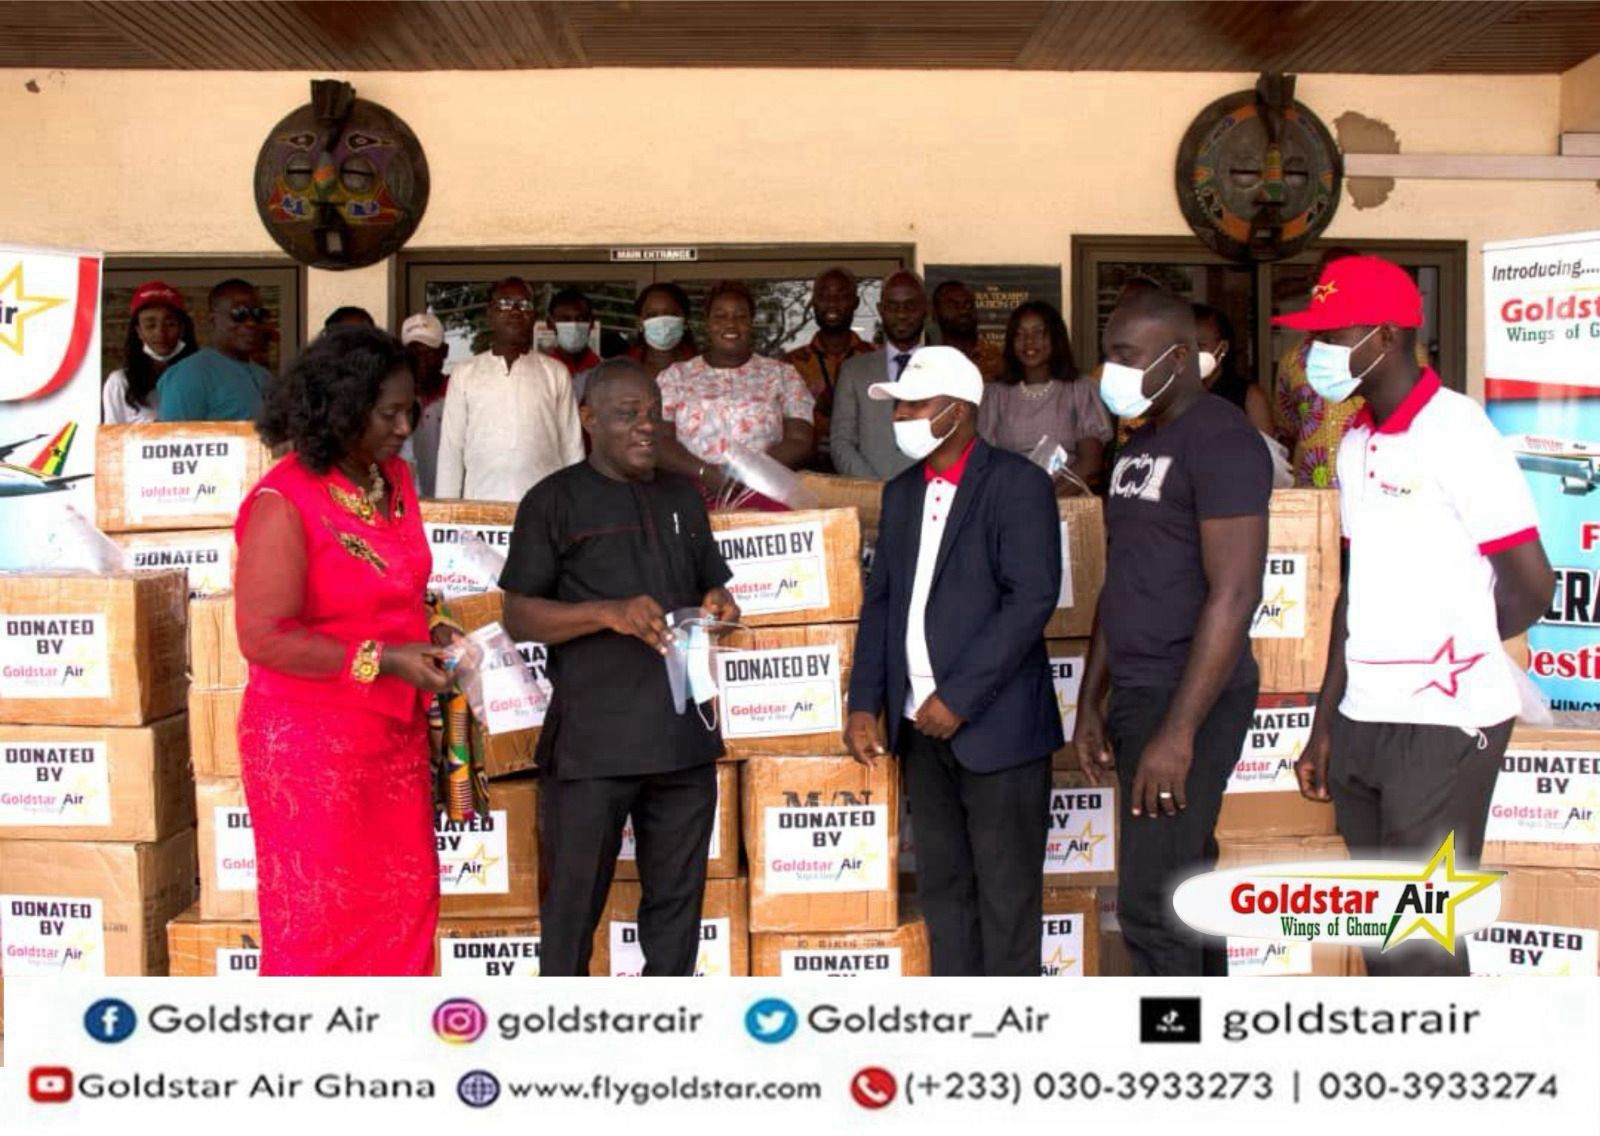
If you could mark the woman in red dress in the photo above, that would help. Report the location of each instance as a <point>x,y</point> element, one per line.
<point>333,733</point>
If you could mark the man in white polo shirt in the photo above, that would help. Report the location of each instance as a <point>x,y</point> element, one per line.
<point>1443,562</point>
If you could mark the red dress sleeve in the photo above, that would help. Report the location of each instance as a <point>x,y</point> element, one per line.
<point>269,596</point>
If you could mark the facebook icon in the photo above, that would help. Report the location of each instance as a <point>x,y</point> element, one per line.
<point>110,1020</point>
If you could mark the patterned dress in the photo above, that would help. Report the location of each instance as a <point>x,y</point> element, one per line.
<point>715,406</point>
<point>336,771</point>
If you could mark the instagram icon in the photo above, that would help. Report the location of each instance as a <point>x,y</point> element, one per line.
<point>460,1021</point>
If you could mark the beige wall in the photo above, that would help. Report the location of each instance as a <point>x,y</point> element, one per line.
<point>1580,97</point>
<point>970,166</point>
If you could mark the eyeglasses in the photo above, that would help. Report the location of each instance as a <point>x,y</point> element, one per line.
<point>242,313</point>
<point>506,304</point>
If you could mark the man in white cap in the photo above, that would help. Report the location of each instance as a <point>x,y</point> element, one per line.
<point>951,648</point>
<point>423,337</point>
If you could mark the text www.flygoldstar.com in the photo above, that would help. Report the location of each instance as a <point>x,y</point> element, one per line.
<point>602,1087</point>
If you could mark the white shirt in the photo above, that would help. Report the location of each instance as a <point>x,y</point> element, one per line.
<point>1425,500</point>
<point>114,405</point>
<point>936,503</point>
<point>505,429</point>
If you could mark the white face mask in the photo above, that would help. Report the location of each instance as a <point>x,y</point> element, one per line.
<point>915,437</point>
<point>177,349</point>
<point>1328,368</point>
<point>1122,387</point>
<point>573,338</point>
<point>1209,363</point>
<point>663,332</point>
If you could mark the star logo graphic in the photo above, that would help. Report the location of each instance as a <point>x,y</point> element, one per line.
<point>1442,671</point>
<point>1439,870</point>
<point>17,307</point>
<point>1059,963</point>
<point>1322,293</point>
<point>1276,609</point>
<point>476,867</point>
<point>1088,840</point>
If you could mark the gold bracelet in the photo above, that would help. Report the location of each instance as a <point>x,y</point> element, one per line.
<point>364,667</point>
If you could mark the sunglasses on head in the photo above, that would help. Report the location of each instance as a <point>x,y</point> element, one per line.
<point>240,313</point>
<point>507,304</point>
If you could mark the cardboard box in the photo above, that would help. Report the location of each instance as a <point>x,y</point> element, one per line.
<point>152,476</point>
<point>900,953</point>
<point>487,867</point>
<point>206,555</point>
<point>1081,851</point>
<point>1067,659</point>
<point>91,909</point>
<point>1263,795</point>
<point>449,527</point>
<point>512,751</point>
<point>214,731</point>
<point>86,650</point>
<point>1114,959</point>
<point>1290,631</point>
<point>95,782</point>
<point>724,932</point>
<point>1544,899</point>
<point>820,834</point>
<point>214,659</point>
<point>793,568</point>
<point>784,689</point>
<point>722,858</point>
<point>862,494</point>
<point>1083,567</point>
<point>1546,807</point>
<point>228,949</point>
<point>488,948</point>
<point>1239,852</point>
<point>1070,944</point>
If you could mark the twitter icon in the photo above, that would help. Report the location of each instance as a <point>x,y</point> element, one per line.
<point>771,1020</point>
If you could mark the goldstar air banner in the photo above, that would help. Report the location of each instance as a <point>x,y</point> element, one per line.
<point>49,388</point>
<point>1542,387</point>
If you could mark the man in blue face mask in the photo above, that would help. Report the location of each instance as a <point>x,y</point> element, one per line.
<point>1186,524</point>
<point>951,648</point>
<point>1443,562</point>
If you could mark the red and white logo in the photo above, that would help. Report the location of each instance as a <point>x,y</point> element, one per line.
<point>49,302</point>
<point>50,1084</point>
<point>1589,535</point>
<point>873,1088</point>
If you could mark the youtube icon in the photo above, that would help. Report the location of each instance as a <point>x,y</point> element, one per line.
<point>50,1084</point>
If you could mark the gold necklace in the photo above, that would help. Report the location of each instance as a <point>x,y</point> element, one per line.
<point>376,485</point>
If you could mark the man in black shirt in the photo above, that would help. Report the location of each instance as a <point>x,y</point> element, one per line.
<point>602,550</point>
<point>1186,523</point>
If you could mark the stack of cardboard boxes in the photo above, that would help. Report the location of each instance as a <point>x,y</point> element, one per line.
<point>1544,832</point>
<point>97,840</point>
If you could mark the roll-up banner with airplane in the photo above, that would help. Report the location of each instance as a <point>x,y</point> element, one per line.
<point>1542,389</point>
<point>49,388</point>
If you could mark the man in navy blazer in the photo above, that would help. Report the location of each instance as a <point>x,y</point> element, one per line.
<point>951,650</point>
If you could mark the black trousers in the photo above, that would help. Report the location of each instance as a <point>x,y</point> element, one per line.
<point>580,834</point>
<point>1155,854</point>
<point>1398,790</point>
<point>980,858</point>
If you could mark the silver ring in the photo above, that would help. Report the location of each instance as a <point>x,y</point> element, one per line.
<point>1164,795</point>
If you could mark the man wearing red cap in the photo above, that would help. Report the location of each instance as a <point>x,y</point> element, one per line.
<point>1442,563</point>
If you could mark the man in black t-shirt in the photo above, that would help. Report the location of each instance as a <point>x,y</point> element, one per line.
<point>602,550</point>
<point>1186,524</point>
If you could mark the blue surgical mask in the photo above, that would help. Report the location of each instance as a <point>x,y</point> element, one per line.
<point>1122,387</point>
<point>663,332</point>
<point>572,337</point>
<point>1328,368</point>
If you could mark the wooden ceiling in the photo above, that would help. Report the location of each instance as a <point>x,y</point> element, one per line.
<point>1383,37</point>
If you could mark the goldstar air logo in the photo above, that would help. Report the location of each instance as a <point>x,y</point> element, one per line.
<point>1361,902</point>
<point>49,303</point>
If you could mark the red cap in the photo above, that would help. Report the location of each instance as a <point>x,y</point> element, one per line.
<point>155,292</point>
<point>1359,291</point>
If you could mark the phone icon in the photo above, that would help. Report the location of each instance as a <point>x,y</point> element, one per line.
<point>873,1088</point>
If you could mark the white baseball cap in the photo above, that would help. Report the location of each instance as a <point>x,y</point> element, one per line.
<point>933,371</point>
<point>423,328</point>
